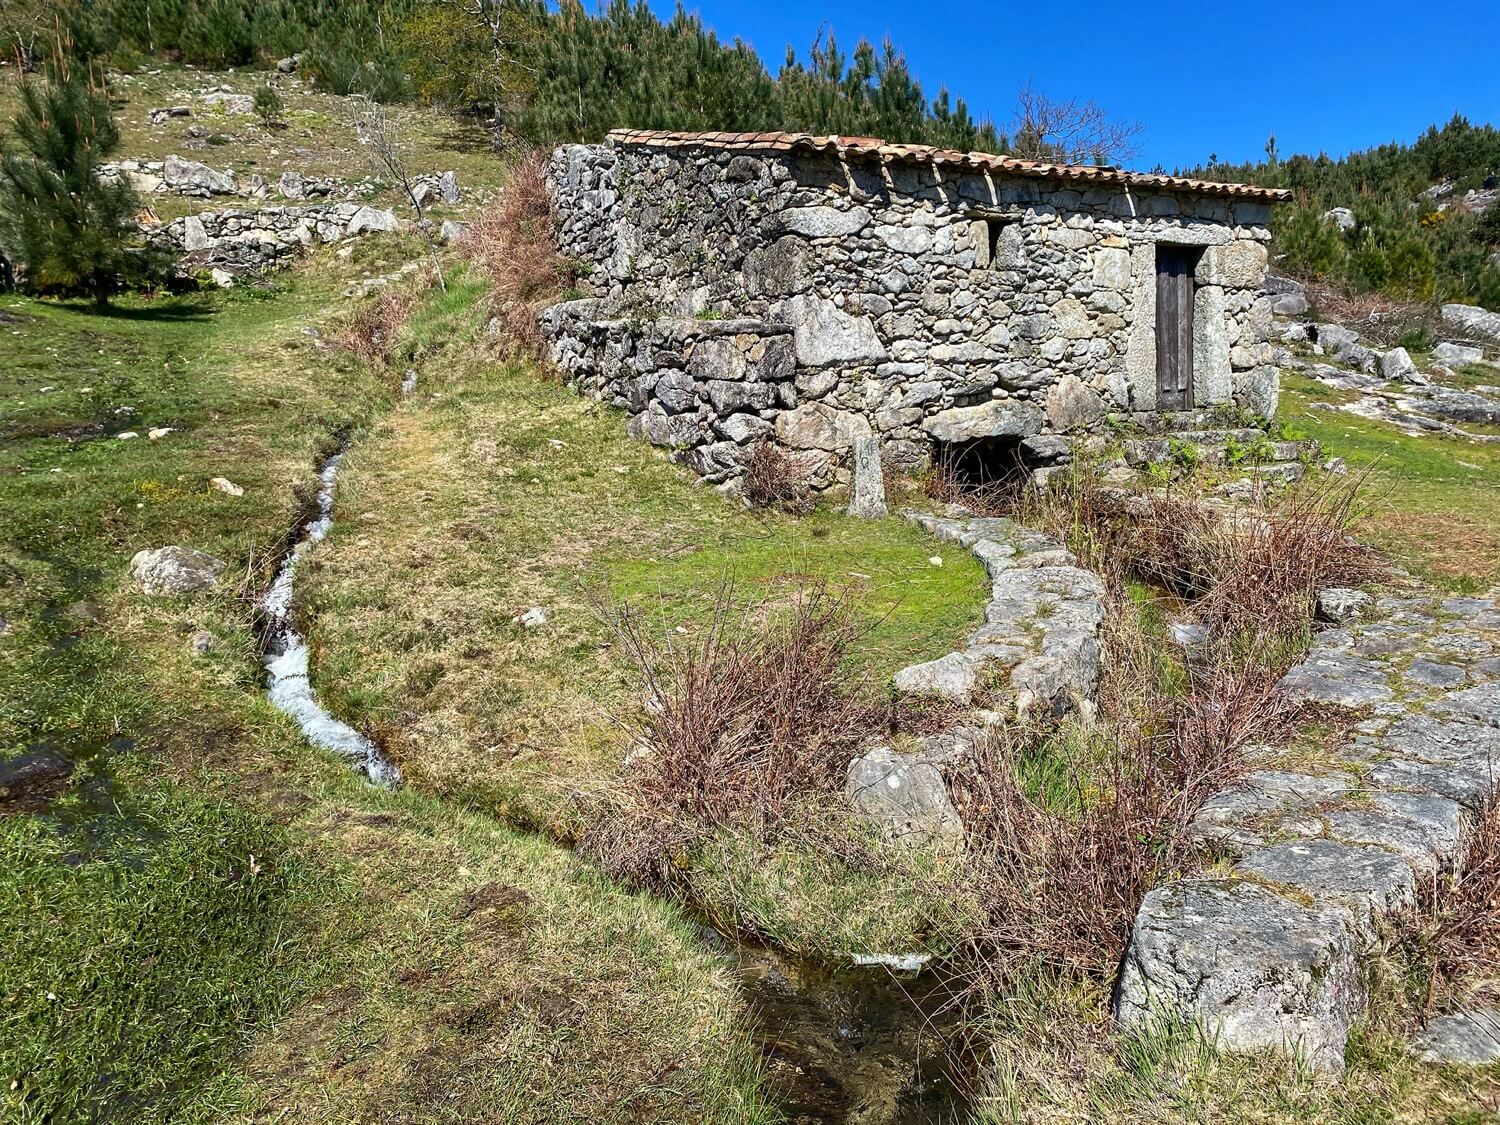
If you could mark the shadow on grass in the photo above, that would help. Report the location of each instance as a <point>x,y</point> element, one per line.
<point>172,310</point>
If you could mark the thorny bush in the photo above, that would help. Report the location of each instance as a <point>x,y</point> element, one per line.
<point>740,718</point>
<point>775,480</point>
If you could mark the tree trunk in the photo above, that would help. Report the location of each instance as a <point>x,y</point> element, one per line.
<point>101,293</point>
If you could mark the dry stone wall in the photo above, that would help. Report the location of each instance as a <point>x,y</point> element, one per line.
<point>921,307</point>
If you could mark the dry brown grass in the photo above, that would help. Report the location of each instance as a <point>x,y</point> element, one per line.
<point>373,327</point>
<point>774,480</point>
<point>741,718</point>
<point>513,243</point>
<point>1250,571</point>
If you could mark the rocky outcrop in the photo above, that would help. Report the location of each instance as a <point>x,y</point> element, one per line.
<point>1474,320</point>
<point>1269,956</point>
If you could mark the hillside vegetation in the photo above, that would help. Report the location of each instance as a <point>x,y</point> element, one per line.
<point>1414,236</point>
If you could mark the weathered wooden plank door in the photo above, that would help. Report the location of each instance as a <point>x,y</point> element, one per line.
<point>1175,266</point>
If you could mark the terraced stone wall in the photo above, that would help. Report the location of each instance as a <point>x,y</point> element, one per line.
<point>922,306</point>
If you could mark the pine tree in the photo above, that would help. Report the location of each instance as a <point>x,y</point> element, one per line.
<point>72,231</point>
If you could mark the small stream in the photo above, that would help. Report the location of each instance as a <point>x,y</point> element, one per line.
<point>856,1045</point>
<point>286,653</point>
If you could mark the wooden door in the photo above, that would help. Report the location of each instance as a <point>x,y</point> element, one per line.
<point>1175,266</point>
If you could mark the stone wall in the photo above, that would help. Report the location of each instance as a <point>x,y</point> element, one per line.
<point>241,240</point>
<point>922,305</point>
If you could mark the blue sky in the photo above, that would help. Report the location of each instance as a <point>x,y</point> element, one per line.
<point>1324,75</point>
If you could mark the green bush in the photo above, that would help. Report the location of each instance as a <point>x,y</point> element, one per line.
<point>268,105</point>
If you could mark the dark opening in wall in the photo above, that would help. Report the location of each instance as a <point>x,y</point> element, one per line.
<point>985,463</point>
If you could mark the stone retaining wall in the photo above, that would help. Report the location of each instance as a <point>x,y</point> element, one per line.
<point>240,240</point>
<point>1038,650</point>
<point>922,307</point>
<point>1269,957</point>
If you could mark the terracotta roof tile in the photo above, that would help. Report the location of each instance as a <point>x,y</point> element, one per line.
<point>877,149</point>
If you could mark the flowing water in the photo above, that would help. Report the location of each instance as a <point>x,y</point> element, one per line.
<point>289,687</point>
<point>860,1045</point>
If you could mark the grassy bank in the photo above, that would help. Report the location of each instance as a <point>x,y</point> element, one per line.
<point>1435,498</point>
<point>201,918</point>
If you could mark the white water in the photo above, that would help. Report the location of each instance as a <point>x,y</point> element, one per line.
<point>291,690</point>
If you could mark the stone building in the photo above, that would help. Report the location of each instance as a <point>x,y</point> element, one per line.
<point>812,290</point>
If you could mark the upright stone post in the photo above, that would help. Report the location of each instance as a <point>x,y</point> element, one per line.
<point>867,489</point>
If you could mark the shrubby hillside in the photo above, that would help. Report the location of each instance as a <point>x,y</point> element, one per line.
<point>1422,221</point>
<point>541,74</point>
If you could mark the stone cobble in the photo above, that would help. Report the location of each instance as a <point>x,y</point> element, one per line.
<point>1269,956</point>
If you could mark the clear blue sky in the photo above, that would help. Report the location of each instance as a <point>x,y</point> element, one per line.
<point>1324,75</point>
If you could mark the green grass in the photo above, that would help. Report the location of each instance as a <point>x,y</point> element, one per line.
<point>1434,499</point>
<point>213,921</point>
<point>495,489</point>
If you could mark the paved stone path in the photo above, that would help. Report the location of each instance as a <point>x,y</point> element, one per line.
<point>1040,639</point>
<point>1269,957</point>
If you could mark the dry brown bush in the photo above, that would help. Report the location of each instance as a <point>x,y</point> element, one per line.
<point>774,480</point>
<point>1071,824</point>
<point>1251,570</point>
<point>514,242</point>
<point>1453,936</point>
<point>740,718</point>
<point>372,328</point>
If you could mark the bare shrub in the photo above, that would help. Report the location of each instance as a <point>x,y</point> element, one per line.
<point>513,242</point>
<point>373,327</point>
<point>1269,568</point>
<point>1453,935</point>
<point>773,479</point>
<point>752,712</point>
<point>1253,570</point>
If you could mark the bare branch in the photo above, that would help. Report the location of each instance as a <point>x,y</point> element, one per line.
<point>1070,132</point>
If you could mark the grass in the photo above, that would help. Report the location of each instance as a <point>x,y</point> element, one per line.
<point>213,921</point>
<point>1437,510</point>
<point>495,489</point>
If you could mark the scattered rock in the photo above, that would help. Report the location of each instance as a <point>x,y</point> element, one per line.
<point>193,178</point>
<point>1397,364</point>
<point>1341,217</point>
<point>1471,1038</point>
<point>226,486</point>
<point>201,641</point>
<point>532,618</point>
<point>156,433</point>
<point>1456,355</point>
<point>1342,604</point>
<point>372,219</point>
<point>175,570</point>
<point>126,435</point>
<point>1472,318</point>
<point>904,793</point>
